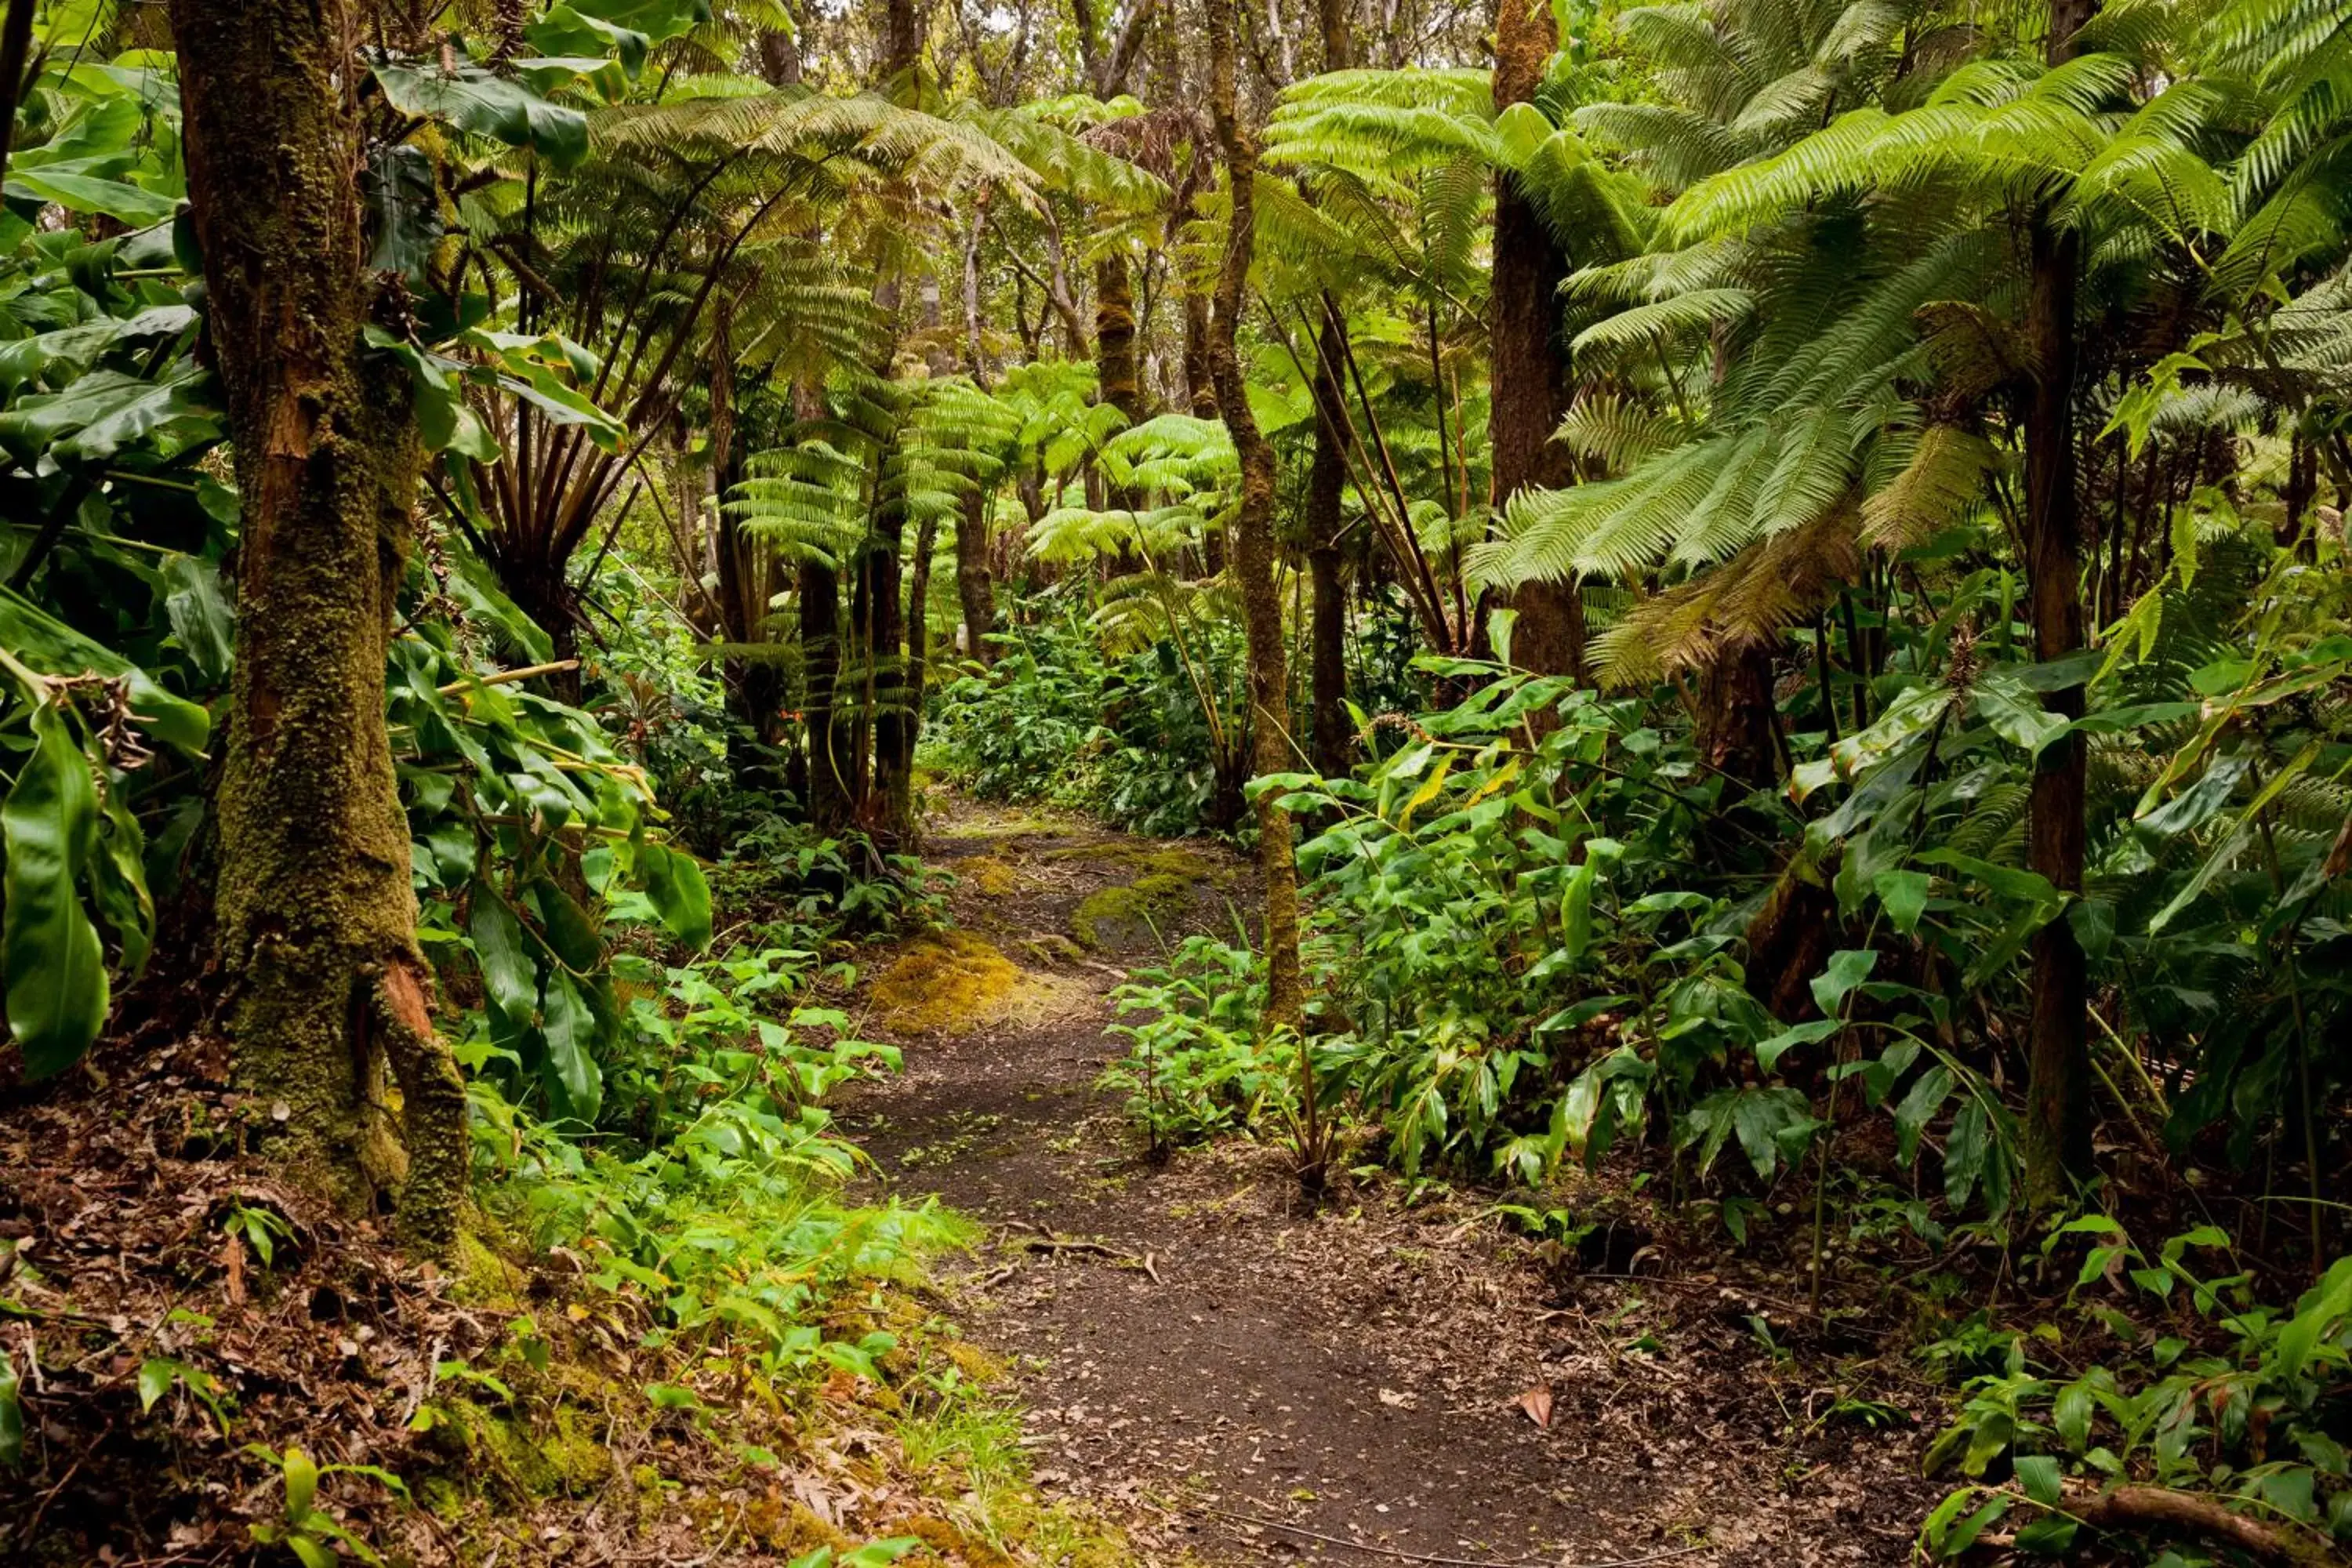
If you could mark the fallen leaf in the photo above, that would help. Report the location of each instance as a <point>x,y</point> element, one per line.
<point>1536,1402</point>
<point>1400,1401</point>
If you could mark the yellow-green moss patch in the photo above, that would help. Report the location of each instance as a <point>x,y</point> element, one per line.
<point>953,982</point>
<point>988,876</point>
<point>1144,908</point>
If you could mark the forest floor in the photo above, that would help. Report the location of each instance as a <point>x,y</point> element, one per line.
<point>1239,1375</point>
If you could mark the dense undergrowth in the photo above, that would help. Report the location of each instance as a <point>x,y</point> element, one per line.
<point>1544,936</point>
<point>667,1323</point>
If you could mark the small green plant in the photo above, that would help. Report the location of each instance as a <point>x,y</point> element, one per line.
<point>158,1375</point>
<point>1198,1064</point>
<point>307,1530</point>
<point>258,1227</point>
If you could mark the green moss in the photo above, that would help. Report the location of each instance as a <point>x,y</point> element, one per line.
<point>953,982</point>
<point>483,1278</point>
<point>1137,910</point>
<point>988,876</point>
<point>1140,858</point>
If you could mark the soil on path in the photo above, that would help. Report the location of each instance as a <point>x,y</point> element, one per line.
<point>1236,1374</point>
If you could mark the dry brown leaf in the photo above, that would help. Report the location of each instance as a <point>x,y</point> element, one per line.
<point>1536,1402</point>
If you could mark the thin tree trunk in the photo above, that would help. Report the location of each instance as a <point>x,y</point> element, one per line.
<point>1528,363</point>
<point>1200,388</point>
<point>317,916</point>
<point>1252,541</point>
<point>2057,1133</point>
<point>890,664</point>
<point>1327,478</point>
<point>831,746</point>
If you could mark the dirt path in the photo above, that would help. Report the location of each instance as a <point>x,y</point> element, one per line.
<point>1215,1357</point>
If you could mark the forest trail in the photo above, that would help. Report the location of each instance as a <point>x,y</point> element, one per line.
<point>1209,1360</point>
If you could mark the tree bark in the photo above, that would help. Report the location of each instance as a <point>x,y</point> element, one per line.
<point>317,917</point>
<point>974,588</point>
<point>1528,373</point>
<point>2057,1132</point>
<point>1327,478</point>
<point>831,745</point>
<point>881,590</point>
<point>1252,534</point>
<point>1115,358</point>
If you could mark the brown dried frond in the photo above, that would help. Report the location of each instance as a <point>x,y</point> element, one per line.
<point>1944,478</point>
<point>1758,594</point>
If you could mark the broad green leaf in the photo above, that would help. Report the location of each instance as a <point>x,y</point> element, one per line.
<point>476,101</point>
<point>2070,1416</point>
<point>1849,967</point>
<point>1919,1106</point>
<point>12,1414</point>
<point>1904,894</point>
<point>199,612</point>
<point>1770,1052</point>
<point>96,416</point>
<point>2040,1476</point>
<point>403,210</point>
<point>2321,1309</point>
<point>2015,713</point>
<point>301,1483</point>
<point>508,975</point>
<point>118,877</point>
<point>125,204</point>
<point>55,967</point>
<point>678,891</point>
<point>574,1087</point>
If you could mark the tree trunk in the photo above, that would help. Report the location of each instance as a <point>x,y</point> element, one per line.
<point>1200,388</point>
<point>831,746</point>
<point>1735,714</point>
<point>974,588</point>
<point>1121,379</point>
<point>1253,535</point>
<point>881,590</point>
<point>1115,359</point>
<point>2057,1133</point>
<point>1528,362</point>
<point>1327,478</point>
<point>317,917</point>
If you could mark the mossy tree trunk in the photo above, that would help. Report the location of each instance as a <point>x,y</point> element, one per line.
<point>1252,533</point>
<point>1528,362</point>
<point>316,919</point>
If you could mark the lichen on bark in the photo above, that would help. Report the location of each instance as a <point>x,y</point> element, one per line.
<point>329,996</point>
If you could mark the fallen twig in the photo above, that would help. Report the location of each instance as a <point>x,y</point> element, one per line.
<point>1404,1556</point>
<point>1056,1244</point>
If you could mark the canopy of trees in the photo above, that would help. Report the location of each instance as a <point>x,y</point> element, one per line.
<point>1766,580</point>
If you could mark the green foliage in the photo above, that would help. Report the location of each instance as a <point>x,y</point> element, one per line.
<point>1123,737</point>
<point>1198,1064</point>
<point>2236,1398</point>
<point>309,1530</point>
<point>720,1211</point>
